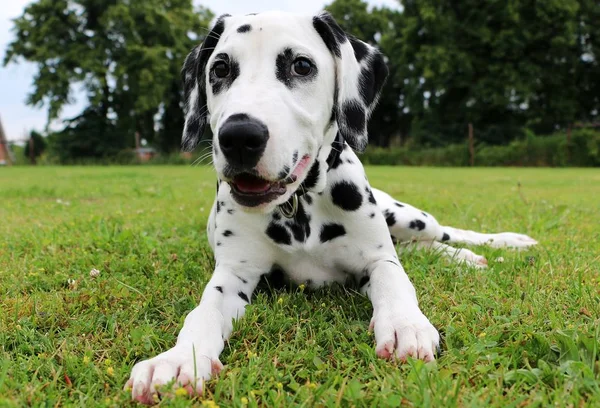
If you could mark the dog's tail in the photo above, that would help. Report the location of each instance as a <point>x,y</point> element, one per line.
<point>500,240</point>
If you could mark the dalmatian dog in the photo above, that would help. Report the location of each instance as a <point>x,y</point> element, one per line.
<point>288,98</point>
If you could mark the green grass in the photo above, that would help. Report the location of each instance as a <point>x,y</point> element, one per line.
<point>523,332</point>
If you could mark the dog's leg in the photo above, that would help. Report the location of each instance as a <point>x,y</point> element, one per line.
<point>196,355</point>
<point>407,223</point>
<point>456,254</point>
<point>401,329</point>
<point>499,240</point>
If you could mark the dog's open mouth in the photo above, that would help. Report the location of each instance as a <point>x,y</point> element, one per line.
<point>251,190</point>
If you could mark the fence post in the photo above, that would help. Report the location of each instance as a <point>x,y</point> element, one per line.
<point>31,150</point>
<point>471,146</point>
<point>569,145</point>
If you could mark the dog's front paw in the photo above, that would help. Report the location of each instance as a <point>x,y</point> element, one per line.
<point>182,364</point>
<point>402,330</point>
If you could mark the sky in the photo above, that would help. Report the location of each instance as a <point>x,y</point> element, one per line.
<point>16,79</point>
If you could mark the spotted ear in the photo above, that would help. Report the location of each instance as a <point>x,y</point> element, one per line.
<point>194,87</point>
<point>360,74</point>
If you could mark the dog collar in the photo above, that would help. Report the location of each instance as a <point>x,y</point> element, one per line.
<point>290,207</point>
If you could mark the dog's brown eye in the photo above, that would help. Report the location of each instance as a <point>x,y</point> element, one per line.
<point>302,67</point>
<point>221,69</point>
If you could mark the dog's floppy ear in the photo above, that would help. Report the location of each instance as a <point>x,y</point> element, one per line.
<point>194,87</point>
<point>360,74</point>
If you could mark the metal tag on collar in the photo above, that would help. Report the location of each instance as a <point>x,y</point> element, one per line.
<point>289,208</point>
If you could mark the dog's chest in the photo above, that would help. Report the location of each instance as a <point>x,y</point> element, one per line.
<point>318,247</point>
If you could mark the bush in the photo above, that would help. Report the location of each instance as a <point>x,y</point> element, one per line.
<point>553,151</point>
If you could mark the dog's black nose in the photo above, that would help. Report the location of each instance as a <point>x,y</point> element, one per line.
<point>243,140</point>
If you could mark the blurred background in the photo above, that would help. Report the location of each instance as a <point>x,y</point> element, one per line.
<point>485,82</point>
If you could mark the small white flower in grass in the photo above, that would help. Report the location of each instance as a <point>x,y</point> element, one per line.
<point>72,283</point>
<point>500,259</point>
<point>94,273</point>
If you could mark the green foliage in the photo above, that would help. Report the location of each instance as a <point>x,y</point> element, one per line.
<point>524,332</point>
<point>555,150</point>
<point>127,55</point>
<point>503,66</point>
<point>39,145</point>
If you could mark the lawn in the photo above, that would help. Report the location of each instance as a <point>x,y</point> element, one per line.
<point>524,332</point>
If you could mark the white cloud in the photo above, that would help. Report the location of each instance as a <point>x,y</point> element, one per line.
<point>16,79</point>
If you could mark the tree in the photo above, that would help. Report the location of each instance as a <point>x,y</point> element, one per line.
<point>377,26</point>
<point>126,54</point>
<point>39,145</point>
<point>495,64</point>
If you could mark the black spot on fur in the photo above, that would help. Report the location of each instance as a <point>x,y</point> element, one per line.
<point>274,279</point>
<point>364,280</point>
<point>284,172</point>
<point>279,234</point>
<point>417,225</point>
<point>244,28</point>
<point>372,78</point>
<point>355,116</point>
<point>295,157</point>
<point>218,207</point>
<point>242,279</point>
<point>360,48</point>
<point>424,214</point>
<point>390,218</point>
<point>218,243</point>
<point>372,215</point>
<point>283,69</point>
<point>331,231</point>
<point>276,216</point>
<point>230,211</point>
<point>227,233</point>
<point>243,296</point>
<point>445,237</point>
<point>397,204</point>
<point>219,288</point>
<point>371,196</point>
<point>330,32</point>
<point>308,199</point>
<point>379,246</point>
<point>346,195</point>
<point>312,177</point>
<point>192,75</point>
<point>336,162</point>
<point>220,84</point>
<point>300,225</point>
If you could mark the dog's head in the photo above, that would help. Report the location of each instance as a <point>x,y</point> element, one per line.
<point>276,88</point>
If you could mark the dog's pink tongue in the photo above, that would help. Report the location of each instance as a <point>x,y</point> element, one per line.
<point>300,167</point>
<point>251,184</point>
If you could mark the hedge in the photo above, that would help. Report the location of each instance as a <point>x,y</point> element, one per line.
<point>583,150</point>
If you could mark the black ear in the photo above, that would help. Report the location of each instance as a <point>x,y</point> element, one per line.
<point>360,75</point>
<point>194,87</point>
